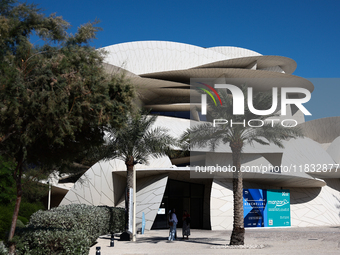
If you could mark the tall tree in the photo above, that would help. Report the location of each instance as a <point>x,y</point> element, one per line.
<point>237,136</point>
<point>137,142</point>
<point>55,99</point>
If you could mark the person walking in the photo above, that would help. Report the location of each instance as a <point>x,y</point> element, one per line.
<point>186,224</point>
<point>173,223</point>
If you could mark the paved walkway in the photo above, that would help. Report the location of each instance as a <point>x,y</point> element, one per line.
<point>312,240</point>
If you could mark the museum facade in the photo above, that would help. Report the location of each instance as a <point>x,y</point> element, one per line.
<point>163,74</point>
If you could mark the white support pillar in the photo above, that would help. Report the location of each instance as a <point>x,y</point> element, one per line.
<point>134,206</point>
<point>49,195</point>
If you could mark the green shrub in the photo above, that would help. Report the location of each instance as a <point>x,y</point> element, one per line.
<point>23,220</point>
<point>6,214</point>
<point>69,229</point>
<point>94,220</point>
<point>3,249</point>
<point>117,221</point>
<point>27,209</point>
<point>42,241</point>
<point>20,224</point>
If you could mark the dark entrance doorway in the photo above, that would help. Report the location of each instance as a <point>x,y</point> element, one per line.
<point>182,196</point>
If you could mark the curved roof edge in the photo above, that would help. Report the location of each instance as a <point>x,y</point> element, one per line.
<point>140,57</point>
<point>288,65</point>
<point>235,52</point>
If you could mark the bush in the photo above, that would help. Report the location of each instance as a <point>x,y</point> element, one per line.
<point>69,229</point>
<point>27,209</point>
<point>95,220</point>
<point>23,220</point>
<point>19,224</point>
<point>6,214</point>
<point>42,241</point>
<point>3,250</point>
<point>117,222</point>
<point>5,220</point>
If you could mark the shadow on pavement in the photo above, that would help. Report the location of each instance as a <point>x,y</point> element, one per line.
<point>209,241</point>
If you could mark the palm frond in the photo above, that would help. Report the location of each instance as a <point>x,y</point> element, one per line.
<point>139,139</point>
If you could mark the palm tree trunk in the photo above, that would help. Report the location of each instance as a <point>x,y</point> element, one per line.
<point>129,174</point>
<point>237,235</point>
<point>129,184</point>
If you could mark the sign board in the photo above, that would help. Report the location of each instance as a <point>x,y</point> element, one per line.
<point>143,222</point>
<point>254,204</point>
<point>278,208</point>
<point>266,208</point>
<point>161,211</point>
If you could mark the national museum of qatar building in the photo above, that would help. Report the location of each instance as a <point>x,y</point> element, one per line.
<point>162,73</point>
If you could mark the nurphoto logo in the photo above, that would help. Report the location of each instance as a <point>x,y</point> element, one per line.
<point>239,102</point>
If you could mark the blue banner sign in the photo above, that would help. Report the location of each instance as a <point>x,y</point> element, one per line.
<point>266,208</point>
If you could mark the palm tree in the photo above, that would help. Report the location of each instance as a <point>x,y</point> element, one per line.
<point>137,141</point>
<point>237,136</point>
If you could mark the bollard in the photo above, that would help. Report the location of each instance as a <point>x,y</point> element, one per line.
<point>112,242</point>
<point>98,250</point>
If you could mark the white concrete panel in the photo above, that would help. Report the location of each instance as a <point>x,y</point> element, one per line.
<point>150,199</point>
<point>221,215</point>
<point>316,207</point>
<point>273,69</point>
<point>93,186</point>
<point>324,130</point>
<point>334,150</point>
<point>302,154</point>
<point>95,195</point>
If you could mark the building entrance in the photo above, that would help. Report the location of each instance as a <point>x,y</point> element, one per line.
<point>181,196</point>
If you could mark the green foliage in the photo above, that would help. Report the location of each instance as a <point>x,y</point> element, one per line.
<point>96,220</point>
<point>33,189</point>
<point>91,218</point>
<point>139,140</point>
<point>117,221</point>
<point>56,100</point>
<point>3,249</point>
<point>42,241</point>
<point>20,224</point>
<point>6,213</point>
<point>23,220</point>
<point>7,183</point>
<point>27,209</point>
<point>69,229</point>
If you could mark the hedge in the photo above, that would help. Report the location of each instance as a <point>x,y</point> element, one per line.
<point>69,229</point>
<point>43,241</point>
<point>6,215</point>
<point>5,221</point>
<point>3,249</point>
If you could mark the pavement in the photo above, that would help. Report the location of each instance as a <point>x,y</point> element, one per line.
<point>308,240</point>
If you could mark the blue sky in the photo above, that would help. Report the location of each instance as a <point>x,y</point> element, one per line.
<point>304,30</point>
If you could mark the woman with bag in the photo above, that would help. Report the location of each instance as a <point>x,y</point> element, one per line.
<point>186,224</point>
